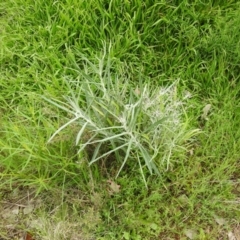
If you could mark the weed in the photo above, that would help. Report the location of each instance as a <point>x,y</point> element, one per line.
<point>137,124</point>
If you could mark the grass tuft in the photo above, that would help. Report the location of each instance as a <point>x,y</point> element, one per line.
<point>136,123</point>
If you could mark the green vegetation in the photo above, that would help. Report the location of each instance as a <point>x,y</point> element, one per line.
<point>149,91</point>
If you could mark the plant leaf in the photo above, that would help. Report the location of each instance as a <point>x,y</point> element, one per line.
<point>114,187</point>
<point>126,157</point>
<point>81,132</point>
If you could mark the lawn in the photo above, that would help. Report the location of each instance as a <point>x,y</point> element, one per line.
<point>119,119</point>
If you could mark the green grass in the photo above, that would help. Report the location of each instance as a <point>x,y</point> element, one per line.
<point>46,47</point>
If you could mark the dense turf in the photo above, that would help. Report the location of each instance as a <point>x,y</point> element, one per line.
<point>46,45</point>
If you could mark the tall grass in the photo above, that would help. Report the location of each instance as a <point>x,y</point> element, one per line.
<point>137,123</point>
<point>123,109</point>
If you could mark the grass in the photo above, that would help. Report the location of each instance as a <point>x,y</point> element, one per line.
<point>46,48</point>
<point>133,123</point>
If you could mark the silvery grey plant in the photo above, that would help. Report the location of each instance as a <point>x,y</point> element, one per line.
<point>142,123</point>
